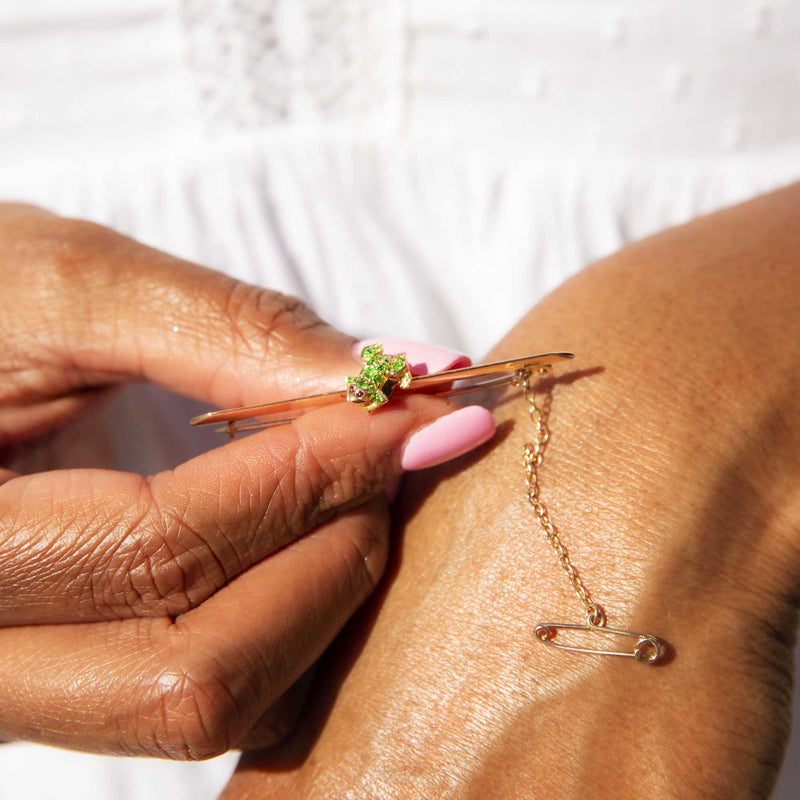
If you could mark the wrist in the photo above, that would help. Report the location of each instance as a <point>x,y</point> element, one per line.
<point>670,473</point>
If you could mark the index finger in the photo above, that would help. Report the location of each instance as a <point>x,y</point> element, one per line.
<point>111,309</point>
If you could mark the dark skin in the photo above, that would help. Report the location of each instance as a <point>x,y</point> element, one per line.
<point>673,474</point>
<point>169,615</point>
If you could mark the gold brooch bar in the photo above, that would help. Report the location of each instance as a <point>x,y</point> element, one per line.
<point>475,378</point>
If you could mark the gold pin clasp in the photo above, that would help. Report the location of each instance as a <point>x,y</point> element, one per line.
<point>647,650</point>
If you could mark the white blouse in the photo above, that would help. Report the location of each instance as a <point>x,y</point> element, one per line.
<point>461,157</point>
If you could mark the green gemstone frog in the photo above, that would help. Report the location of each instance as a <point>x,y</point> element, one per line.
<point>378,378</point>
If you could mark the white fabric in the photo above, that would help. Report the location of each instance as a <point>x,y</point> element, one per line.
<point>461,158</point>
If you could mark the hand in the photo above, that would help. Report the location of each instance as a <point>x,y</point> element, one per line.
<point>672,473</point>
<point>167,615</point>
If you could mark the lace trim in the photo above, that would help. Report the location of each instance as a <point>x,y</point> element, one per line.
<point>267,62</point>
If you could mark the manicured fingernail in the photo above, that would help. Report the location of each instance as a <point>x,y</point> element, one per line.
<point>392,490</point>
<point>448,437</point>
<point>422,358</point>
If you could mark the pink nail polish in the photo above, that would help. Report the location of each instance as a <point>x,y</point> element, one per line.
<point>448,437</point>
<point>422,358</point>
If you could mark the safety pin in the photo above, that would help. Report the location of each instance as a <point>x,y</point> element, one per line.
<point>496,373</point>
<point>648,648</point>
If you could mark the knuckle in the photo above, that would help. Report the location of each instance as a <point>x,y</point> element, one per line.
<point>191,712</point>
<point>50,561</point>
<point>160,565</point>
<point>101,562</point>
<point>259,318</point>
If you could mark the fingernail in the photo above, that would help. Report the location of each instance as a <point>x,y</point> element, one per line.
<point>448,437</point>
<point>392,490</point>
<point>422,358</point>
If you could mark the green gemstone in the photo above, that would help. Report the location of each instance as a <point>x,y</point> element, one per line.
<point>371,352</point>
<point>364,383</point>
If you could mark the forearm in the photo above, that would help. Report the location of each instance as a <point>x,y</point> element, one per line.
<point>671,474</point>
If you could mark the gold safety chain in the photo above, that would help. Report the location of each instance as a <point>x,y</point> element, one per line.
<point>648,648</point>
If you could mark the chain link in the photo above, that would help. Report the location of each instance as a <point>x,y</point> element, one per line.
<point>532,460</point>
